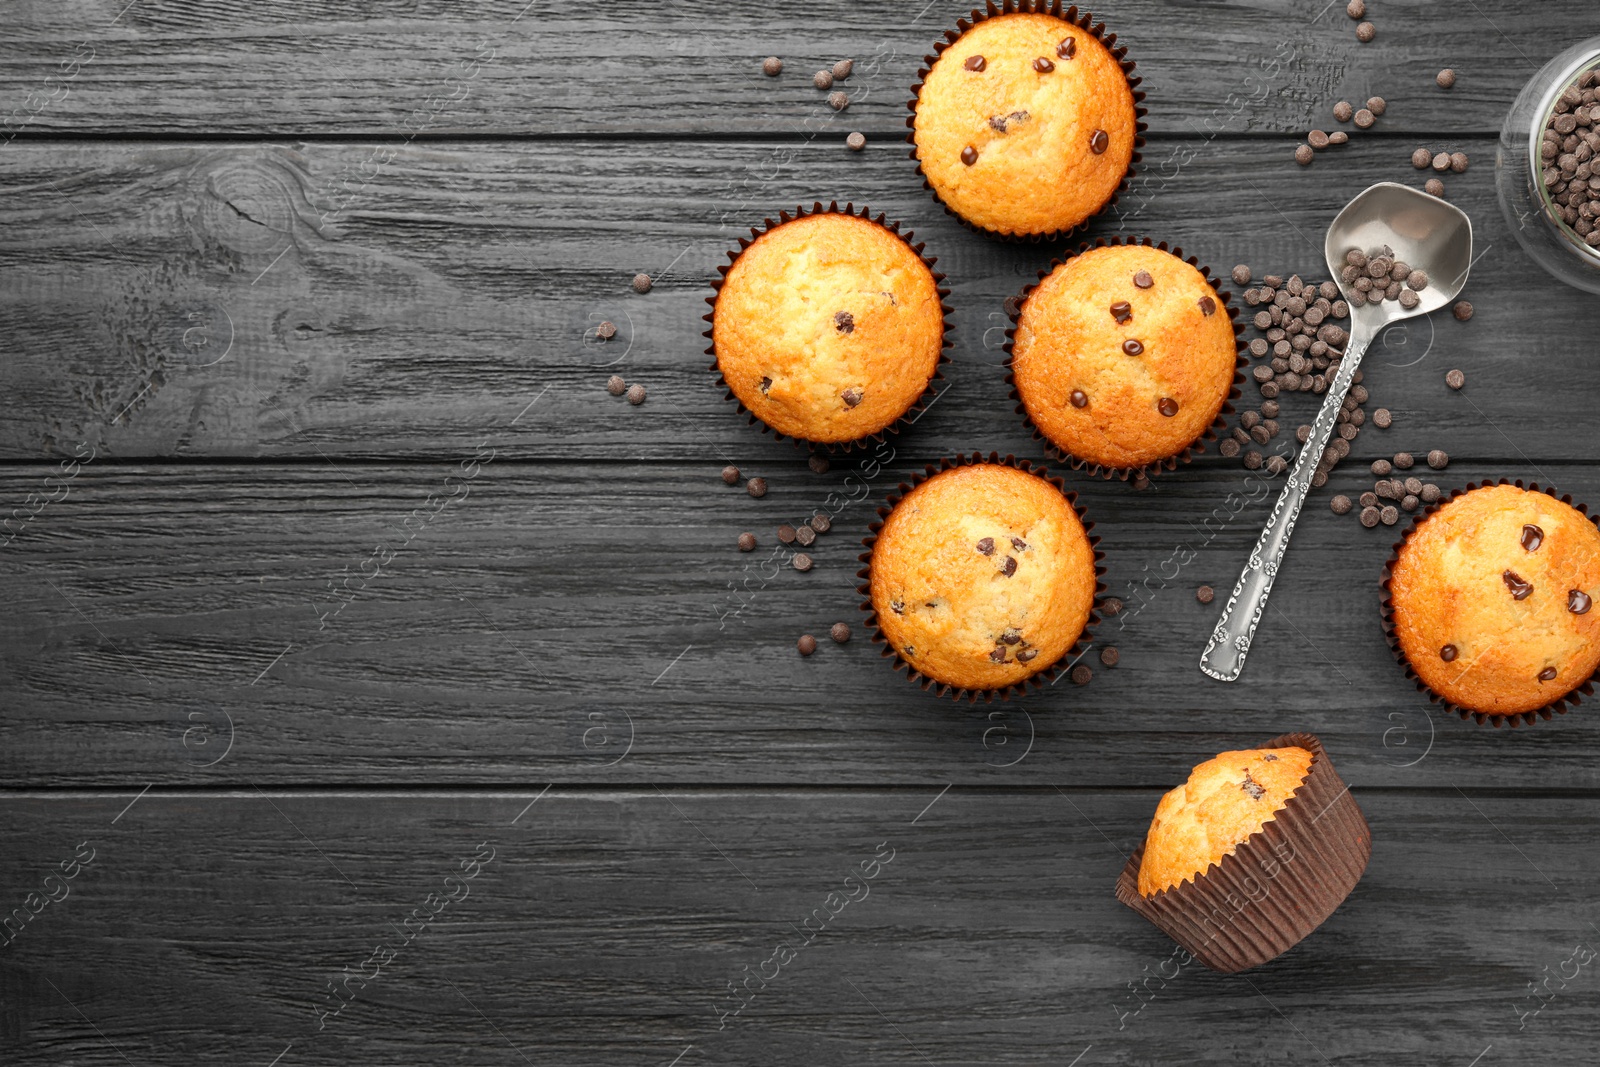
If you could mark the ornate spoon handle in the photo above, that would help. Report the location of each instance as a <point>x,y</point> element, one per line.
<point>1223,658</point>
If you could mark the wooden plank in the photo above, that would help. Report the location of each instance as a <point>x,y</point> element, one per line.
<point>607,925</point>
<point>693,66</point>
<point>595,622</point>
<point>194,300</point>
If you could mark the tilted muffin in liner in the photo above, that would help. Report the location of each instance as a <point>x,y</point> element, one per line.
<point>906,417</point>
<point>1280,884</point>
<point>1193,448</point>
<point>1559,706</point>
<point>1039,678</point>
<point>1084,21</point>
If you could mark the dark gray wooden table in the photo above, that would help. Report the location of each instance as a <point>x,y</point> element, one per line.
<point>390,693</point>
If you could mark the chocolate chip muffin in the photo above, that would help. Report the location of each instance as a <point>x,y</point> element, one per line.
<point>1491,599</point>
<point>1226,799</point>
<point>1026,123</point>
<point>828,327</point>
<point>1123,356</point>
<point>982,576</point>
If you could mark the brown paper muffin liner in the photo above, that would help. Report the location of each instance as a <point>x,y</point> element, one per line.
<point>908,416</point>
<point>1561,705</point>
<point>1038,678</point>
<point>1187,452</point>
<point>1275,888</point>
<point>1084,21</point>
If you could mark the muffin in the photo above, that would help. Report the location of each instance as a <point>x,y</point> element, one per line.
<point>1490,598</point>
<point>828,327</point>
<point>982,576</point>
<point>1250,855</point>
<point>1123,357</point>
<point>1026,124</point>
<point>1226,799</point>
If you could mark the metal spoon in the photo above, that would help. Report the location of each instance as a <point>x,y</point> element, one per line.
<point>1431,236</point>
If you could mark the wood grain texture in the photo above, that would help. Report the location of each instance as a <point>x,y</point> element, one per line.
<point>693,66</point>
<point>596,623</point>
<point>265,300</point>
<point>607,925</point>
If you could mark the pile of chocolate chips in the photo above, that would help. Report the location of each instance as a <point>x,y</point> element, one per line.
<point>1571,141</point>
<point>1380,276</point>
<point>1388,496</point>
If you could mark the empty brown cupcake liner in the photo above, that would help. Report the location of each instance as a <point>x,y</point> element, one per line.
<point>1039,678</point>
<point>1187,452</point>
<point>923,400</point>
<point>1271,892</point>
<point>1084,21</point>
<point>1561,705</point>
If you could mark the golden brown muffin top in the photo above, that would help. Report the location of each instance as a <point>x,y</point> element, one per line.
<point>828,327</point>
<point>1025,124</point>
<point>1225,800</point>
<point>1492,596</point>
<point>982,576</point>
<point>1124,355</point>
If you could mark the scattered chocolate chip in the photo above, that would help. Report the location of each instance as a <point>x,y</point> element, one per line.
<point>969,155</point>
<point>1438,460</point>
<point>1369,499</point>
<point>1382,419</point>
<point>1228,447</point>
<point>838,100</point>
<point>842,69</point>
<point>786,534</point>
<point>1317,139</point>
<point>1364,119</point>
<point>641,283</point>
<point>1111,606</point>
<point>986,546</point>
<point>1133,347</point>
<point>1205,594</point>
<point>822,79</point>
<point>1109,656</point>
<point>1445,79</point>
<point>1010,566</point>
<point>1455,379</point>
<point>1441,162</point>
<point>1370,516</point>
<point>1303,155</point>
<point>1252,460</point>
<point>1067,48</point>
<point>756,487</point>
<point>821,523</point>
<point>636,394</point>
<point>1079,398</point>
<point>1241,275</point>
<point>1548,674</point>
<point>1520,588</point>
<point>772,66</point>
<point>840,632</point>
<point>1434,187</point>
<point>1408,502</point>
<point>1356,9</point>
<point>856,141</point>
<point>1081,674</point>
<point>807,644</point>
<point>1167,406</point>
<point>606,330</point>
<point>747,542</point>
<point>1365,32</point>
<point>975,64</point>
<point>1458,162</point>
<point>1430,493</point>
<point>1389,515</point>
<point>802,562</point>
<point>616,386</point>
<point>730,475</point>
<point>1578,601</point>
<point>1422,158</point>
<point>1448,653</point>
<point>1341,504</point>
<point>1404,461</point>
<point>1338,137</point>
<point>1376,105</point>
<point>1382,467</point>
<point>1342,111</point>
<point>818,463</point>
<point>1462,311</point>
<point>1532,538</point>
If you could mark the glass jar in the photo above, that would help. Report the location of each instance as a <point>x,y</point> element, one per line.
<point>1528,208</point>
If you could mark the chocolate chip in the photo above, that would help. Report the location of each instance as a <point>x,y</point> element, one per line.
<point>998,654</point>
<point>1532,538</point>
<point>1408,502</point>
<point>986,546</point>
<point>821,523</point>
<point>747,542</point>
<point>606,330</point>
<point>616,386</point>
<point>1338,137</point>
<point>1143,280</point>
<point>1365,32</point>
<point>842,69</point>
<point>1409,299</point>
<point>1548,674</point>
<point>1404,461</point>
<point>766,385</point>
<point>1382,467</point>
<point>975,64</point>
<point>1520,588</point>
<point>1441,162</point>
<point>1228,447</point>
<point>838,101</point>
<point>1109,656</point>
<point>1455,379</point>
<point>1356,8</point>
<point>1241,275</point>
<point>1067,48</point>
<point>1205,594</point>
<point>1342,111</point>
<point>1276,465</point>
<point>1448,653</point>
<point>772,66</point>
<point>786,534</point>
<point>1376,105</point>
<point>1027,656</point>
<point>852,396</point>
<point>756,487</point>
<point>1081,674</point>
<point>1434,187</point>
<point>1445,78</point>
<point>818,463</point>
<point>1430,493</point>
<point>1099,141</point>
<point>1369,499</point>
<point>1132,347</point>
<point>805,535</point>
<point>1364,119</point>
<point>1122,311</point>
<point>636,394</point>
<point>1341,504</point>
<point>1111,606</point>
<point>1167,406</point>
<point>1422,158</point>
<point>802,562</point>
<point>641,283</point>
<point>969,155</point>
<point>1043,65</point>
<point>1317,139</point>
<point>840,632</point>
<point>1019,544</point>
<point>1458,162</point>
<point>844,322</point>
<point>822,79</point>
<point>1208,306</point>
<point>1370,516</point>
<point>1413,485</point>
<point>1009,567</point>
<point>1578,601</point>
<point>1303,155</point>
<point>1252,460</point>
<point>1079,398</point>
<point>807,644</point>
<point>1389,515</point>
<point>1462,311</point>
<point>1382,419</point>
<point>1010,636</point>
